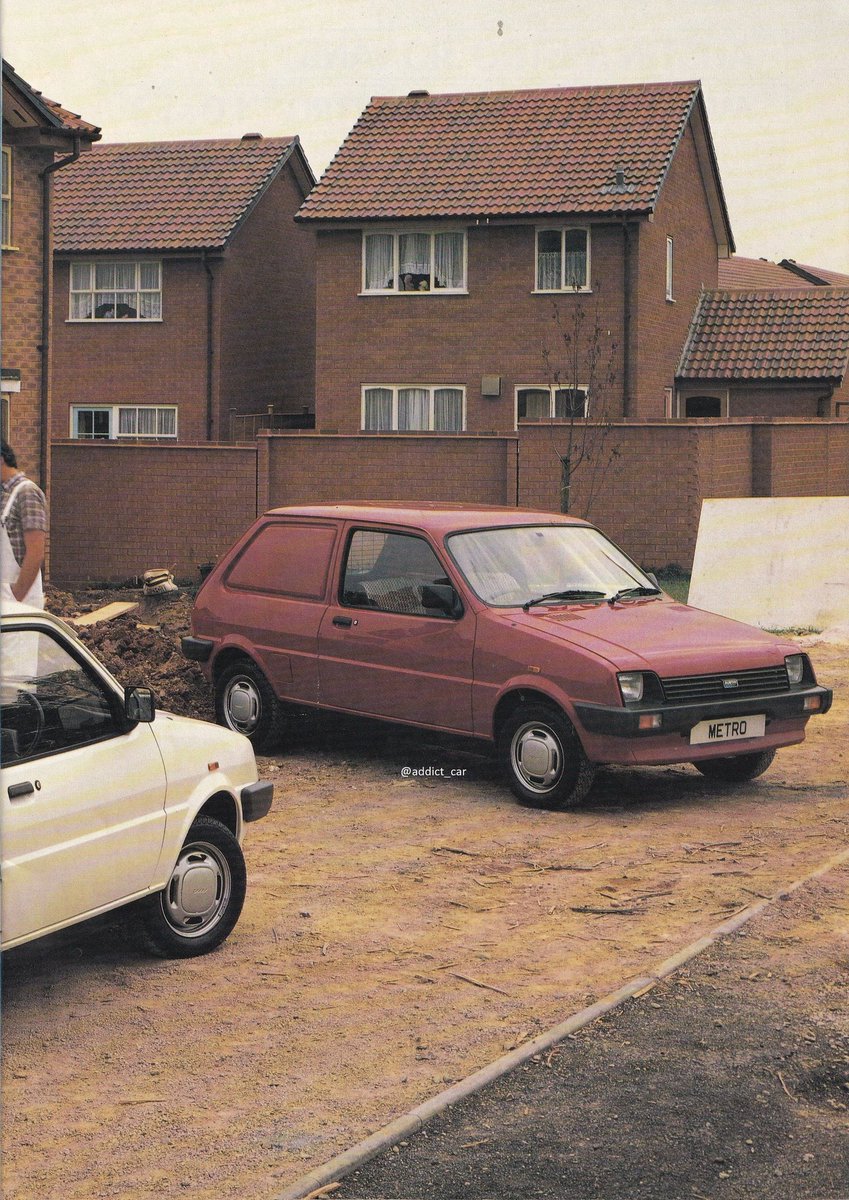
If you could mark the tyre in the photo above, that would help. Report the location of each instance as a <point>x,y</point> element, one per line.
<point>542,755</point>
<point>736,769</point>
<point>203,898</point>
<point>245,702</point>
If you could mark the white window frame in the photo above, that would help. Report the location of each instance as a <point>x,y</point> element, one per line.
<point>114,411</point>
<point>396,233</point>
<point>586,286</point>
<point>93,290</point>
<point>6,231</point>
<point>670,265</point>
<point>552,389</point>
<point>430,388</point>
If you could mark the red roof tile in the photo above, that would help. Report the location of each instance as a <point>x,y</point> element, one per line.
<point>556,150</point>
<point>737,272</point>
<point>163,195</point>
<point>816,275</point>
<point>785,333</point>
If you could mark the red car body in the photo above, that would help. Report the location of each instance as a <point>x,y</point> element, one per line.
<point>309,600</point>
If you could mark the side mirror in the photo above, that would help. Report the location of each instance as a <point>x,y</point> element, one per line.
<point>443,598</point>
<point>139,704</point>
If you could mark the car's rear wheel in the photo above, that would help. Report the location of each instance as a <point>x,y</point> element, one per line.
<point>245,702</point>
<point>737,768</point>
<point>204,896</point>
<point>543,757</point>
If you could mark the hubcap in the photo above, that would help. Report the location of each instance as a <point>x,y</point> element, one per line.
<point>243,706</point>
<point>537,757</point>
<point>199,890</point>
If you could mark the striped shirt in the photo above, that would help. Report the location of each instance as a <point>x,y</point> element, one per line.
<point>28,512</point>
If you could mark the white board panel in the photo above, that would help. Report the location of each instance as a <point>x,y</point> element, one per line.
<point>777,562</point>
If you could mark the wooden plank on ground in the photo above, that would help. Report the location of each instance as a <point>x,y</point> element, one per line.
<point>108,613</point>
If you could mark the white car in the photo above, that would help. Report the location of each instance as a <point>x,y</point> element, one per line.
<point>104,806</point>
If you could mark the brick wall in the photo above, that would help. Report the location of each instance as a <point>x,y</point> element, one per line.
<point>135,362</point>
<point>268,309</point>
<point>662,325</point>
<point>118,510</point>
<point>21,305</point>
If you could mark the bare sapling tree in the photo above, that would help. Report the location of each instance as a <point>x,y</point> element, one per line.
<point>581,369</point>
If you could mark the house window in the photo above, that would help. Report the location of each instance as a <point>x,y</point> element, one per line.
<point>414,262</point>
<point>563,260</point>
<point>107,422</point>
<point>116,291</point>
<point>669,259</point>
<point>410,409</point>
<point>7,197</point>
<point>550,403</point>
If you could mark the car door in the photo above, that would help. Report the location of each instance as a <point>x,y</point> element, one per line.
<point>83,795</point>
<point>388,645</point>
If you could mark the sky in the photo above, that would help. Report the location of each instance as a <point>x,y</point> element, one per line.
<point>774,78</point>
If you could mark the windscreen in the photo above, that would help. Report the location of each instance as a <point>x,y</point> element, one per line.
<point>506,567</point>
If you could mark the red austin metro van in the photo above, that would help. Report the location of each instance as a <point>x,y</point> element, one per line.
<point>527,629</point>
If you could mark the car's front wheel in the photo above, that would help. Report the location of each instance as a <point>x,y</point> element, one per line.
<point>200,905</point>
<point>245,702</point>
<point>543,758</point>
<point>737,768</point>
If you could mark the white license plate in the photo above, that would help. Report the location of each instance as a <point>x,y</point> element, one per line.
<point>727,729</point>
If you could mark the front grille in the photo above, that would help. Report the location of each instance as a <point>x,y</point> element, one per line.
<point>688,689</point>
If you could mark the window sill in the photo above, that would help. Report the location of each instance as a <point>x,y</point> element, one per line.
<point>16,249</point>
<point>582,291</point>
<point>435,292</point>
<point>114,320</point>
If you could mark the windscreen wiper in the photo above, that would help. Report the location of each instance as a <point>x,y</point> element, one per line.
<point>571,594</point>
<point>633,591</point>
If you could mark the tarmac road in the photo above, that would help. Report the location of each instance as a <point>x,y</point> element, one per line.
<point>727,1081</point>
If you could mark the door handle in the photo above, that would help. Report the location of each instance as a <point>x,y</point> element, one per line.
<point>345,622</point>
<point>17,791</point>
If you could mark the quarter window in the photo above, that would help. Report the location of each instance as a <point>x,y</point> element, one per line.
<point>551,403</point>
<point>410,409</point>
<point>117,421</point>
<point>116,291</point>
<point>563,259</point>
<point>414,262</point>
<point>7,196</point>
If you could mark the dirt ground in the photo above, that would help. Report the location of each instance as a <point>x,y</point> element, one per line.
<point>399,933</point>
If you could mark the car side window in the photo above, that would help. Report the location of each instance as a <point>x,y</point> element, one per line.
<point>394,572</point>
<point>48,701</point>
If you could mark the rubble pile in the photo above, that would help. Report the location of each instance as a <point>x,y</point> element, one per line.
<point>143,647</point>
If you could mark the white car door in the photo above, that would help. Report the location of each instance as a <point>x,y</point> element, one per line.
<point>83,795</point>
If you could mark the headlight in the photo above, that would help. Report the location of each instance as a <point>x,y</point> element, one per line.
<point>631,685</point>
<point>795,664</point>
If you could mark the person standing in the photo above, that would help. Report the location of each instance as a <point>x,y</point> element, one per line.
<point>23,533</point>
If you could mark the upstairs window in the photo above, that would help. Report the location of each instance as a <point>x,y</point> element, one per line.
<point>7,196</point>
<point>413,409</point>
<point>116,291</point>
<point>563,260</point>
<point>670,295</point>
<point>551,403</point>
<point>414,262</point>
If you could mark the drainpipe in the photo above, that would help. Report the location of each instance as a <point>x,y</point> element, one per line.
<point>626,321</point>
<point>46,313</point>
<point>210,280</point>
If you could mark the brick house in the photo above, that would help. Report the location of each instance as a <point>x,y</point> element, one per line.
<point>768,351</point>
<point>463,240</point>
<point>184,308</point>
<point>35,130</point>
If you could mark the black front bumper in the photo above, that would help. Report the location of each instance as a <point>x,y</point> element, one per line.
<point>256,799</point>
<point>680,718</point>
